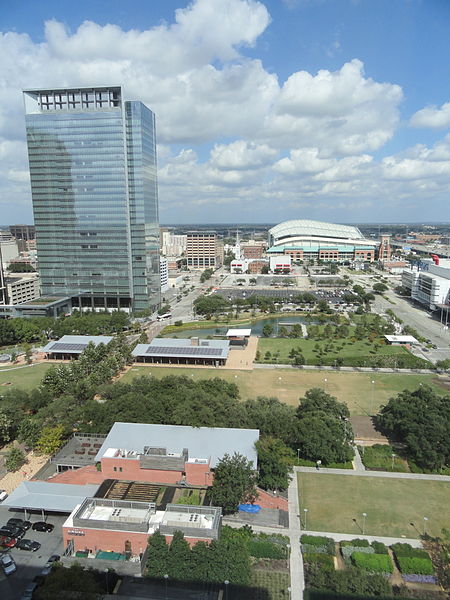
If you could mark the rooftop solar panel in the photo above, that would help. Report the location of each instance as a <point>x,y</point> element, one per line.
<point>191,350</point>
<point>58,347</point>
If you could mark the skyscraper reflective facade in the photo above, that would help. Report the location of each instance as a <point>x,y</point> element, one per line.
<point>92,162</point>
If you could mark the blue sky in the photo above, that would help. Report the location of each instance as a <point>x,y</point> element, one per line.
<point>326,109</point>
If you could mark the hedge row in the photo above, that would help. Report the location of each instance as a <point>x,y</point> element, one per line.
<point>379,548</point>
<point>414,565</point>
<point>408,551</point>
<point>357,542</point>
<point>373,563</point>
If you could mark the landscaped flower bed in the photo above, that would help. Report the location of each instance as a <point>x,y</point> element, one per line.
<point>414,563</point>
<point>373,563</point>
<point>316,544</point>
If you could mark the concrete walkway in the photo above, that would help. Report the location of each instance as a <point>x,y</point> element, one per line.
<point>350,369</point>
<point>382,474</point>
<point>296,561</point>
<point>357,462</point>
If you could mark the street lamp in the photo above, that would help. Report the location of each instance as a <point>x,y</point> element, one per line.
<point>166,577</point>
<point>425,519</point>
<point>226,582</point>
<point>371,397</point>
<point>305,510</point>
<point>289,592</point>
<point>325,380</point>
<point>392,463</point>
<point>288,546</point>
<point>364,522</point>
<point>298,453</point>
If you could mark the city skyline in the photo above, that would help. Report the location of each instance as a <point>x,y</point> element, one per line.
<point>267,111</point>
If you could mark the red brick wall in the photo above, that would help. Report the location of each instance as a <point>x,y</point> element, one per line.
<point>198,474</point>
<point>105,539</point>
<point>266,500</point>
<point>131,470</point>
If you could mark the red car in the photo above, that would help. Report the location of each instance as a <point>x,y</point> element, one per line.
<point>7,542</point>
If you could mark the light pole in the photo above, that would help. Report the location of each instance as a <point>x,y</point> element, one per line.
<point>298,453</point>
<point>392,463</point>
<point>226,582</point>
<point>305,510</point>
<point>325,381</point>
<point>364,522</point>
<point>289,592</point>
<point>288,546</point>
<point>166,577</point>
<point>425,519</point>
<point>371,397</point>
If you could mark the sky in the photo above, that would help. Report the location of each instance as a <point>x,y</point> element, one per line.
<point>334,110</point>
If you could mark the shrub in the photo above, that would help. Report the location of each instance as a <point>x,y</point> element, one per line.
<point>379,548</point>
<point>408,551</point>
<point>14,459</point>
<point>325,560</point>
<point>414,565</point>
<point>358,542</point>
<point>374,563</point>
<point>266,549</point>
<point>420,578</point>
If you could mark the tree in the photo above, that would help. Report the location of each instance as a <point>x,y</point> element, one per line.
<point>234,482</point>
<point>14,459</point>
<point>143,338</point>
<point>164,309</point>
<point>50,440</point>
<point>421,421</point>
<point>267,330</point>
<point>6,427</point>
<point>74,582</point>
<point>275,460</point>
<point>158,556</point>
<point>20,267</point>
<point>179,558</point>
<point>323,437</point>
<point>379,288</point>
<point>265,270</point>
<point>317,399</point>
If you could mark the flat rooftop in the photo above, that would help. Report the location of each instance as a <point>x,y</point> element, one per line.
<point>183,348</point>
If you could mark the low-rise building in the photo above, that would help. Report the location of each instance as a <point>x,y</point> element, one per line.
<point>428,282</point>
<point>171,454</point>
<point>71,346</point>
<point>280,263</point>
<point>193,351</point>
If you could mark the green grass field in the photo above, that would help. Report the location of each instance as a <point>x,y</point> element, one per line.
<point>290,384</point>
<point>337,503</point>
<point>25,378</point>
<point>268,585</point>
<point>283,346</point>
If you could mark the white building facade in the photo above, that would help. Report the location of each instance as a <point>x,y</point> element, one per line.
<point>429,283</point>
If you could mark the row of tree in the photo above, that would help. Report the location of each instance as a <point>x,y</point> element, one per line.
<point>19,330</point>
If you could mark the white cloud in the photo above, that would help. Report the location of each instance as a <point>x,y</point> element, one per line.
<point>432,116</point>
<point>241,155</point>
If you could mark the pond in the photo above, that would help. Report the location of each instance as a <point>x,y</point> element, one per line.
<point>256,327</point>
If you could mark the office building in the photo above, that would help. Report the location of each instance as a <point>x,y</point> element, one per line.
<point>164,274</point>
<point>22,232</point>
<point>173,244</point>
<point>203,250</point>
<point>3,294</point>
<point>92,162</point>
<point>429,283</point>
<point>9,251</point>
<point>22,288</point>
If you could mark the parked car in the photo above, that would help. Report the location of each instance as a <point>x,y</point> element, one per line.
<point>3,495</point>
<point>20,523</point>
<point>53,558</point>
<point>7,542</point>
<point>43,526</point>
<point>12,531</point>
<point>29,590</point>
<point>29,545</point>
<point>8,564</point>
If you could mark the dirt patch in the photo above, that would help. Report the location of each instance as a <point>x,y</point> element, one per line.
<point>442,382</point>
<point>12,480</point>
<point>271,564</point>
<point>364,429</point>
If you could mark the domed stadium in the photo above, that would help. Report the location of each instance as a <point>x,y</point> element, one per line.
<point>315,240</point>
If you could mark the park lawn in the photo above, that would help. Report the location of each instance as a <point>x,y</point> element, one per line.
<point>356,349</point>
<point>25,378</point>
<point>288,385</point>
<point>336,503</point>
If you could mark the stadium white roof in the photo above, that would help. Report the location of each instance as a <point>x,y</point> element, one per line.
<point>52,497</point>
<point>201,442</point>
<point>75,344</point>
<point>316,229</point>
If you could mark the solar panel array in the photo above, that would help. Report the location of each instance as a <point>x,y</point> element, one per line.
<point>59,347</point>
<point>190,351</point>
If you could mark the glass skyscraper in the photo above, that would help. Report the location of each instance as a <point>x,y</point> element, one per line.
<point>92,162</point>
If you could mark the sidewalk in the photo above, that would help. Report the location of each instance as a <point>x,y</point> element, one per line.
<point>385,474</point>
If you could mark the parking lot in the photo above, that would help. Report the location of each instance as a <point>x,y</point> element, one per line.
<point>29,564</point>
